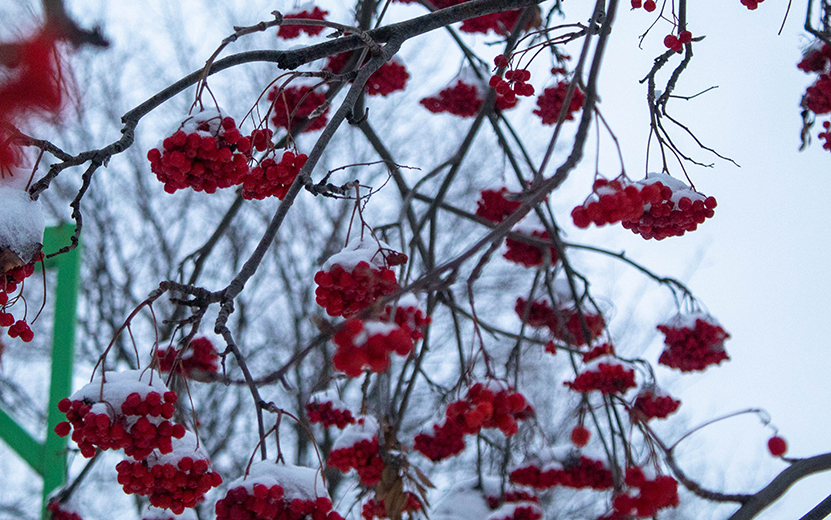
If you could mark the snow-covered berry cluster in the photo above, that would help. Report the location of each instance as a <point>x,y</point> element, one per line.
<point>495,205</point>
<point>59,511</point>
<point>564,322</point>
<point>357,448</point>
<point>390,77</point>
<point>130,410</point>
<point>12,280</point>
<point>353,279</point>
<point>373,509</point>
<point>174,481</point>
<point>297,102</point>
<point>327,409</point>
<point>651,403</point>
<point>525,254</point>
<point>206,153</point>
<point>693,342</point>
<point>618,200</point>
<point>271,178</point>
<point>576,472</point>
<point>604,373</point>
<point>652,496</point>
<point>288,31</point>
<point>199,358</point>
<point>681,209</point>
<point>270,491</point>
<point>492,404</point>
<point>550,103</point>
<point>368,344</point>
<point>517,511</point>
<point>409,316</point>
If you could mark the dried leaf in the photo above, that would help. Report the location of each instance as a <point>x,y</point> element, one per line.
<point>423,478</point>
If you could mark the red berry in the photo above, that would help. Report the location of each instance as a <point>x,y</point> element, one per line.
<point>777,446</point>
<point>580,436</point>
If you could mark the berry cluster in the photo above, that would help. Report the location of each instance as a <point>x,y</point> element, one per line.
<point>550,103</point>
<point>693,342</point>
<point>207,152</point>
<point>681,209</point>
<point>653,495</point>
<point>123,412</point>
<point>369,344</point>
<point>516,495</point>
<point>517,511</point>
<point>271,178</point>
<point>604,373</point>
<point>270,491</point>
<point>777,446</point>
<point>357,448</point>
<point>500,23</point>
<point>409,316</point>
<point>651,404</point>
<point>174,481</point>
<point>297,102</point>
<point>11,280</point>
<point>575,472</point>
<point>287,31</point>
<point>492,404</point>
<point>564,322</point>
<point>390,77</point>
<point>373,509</point>
<point>59,511</point>
<point>495,206</point>
<point>327,409</point>
<point>460,99</point>
<point>528,255</point>
<point>648,5</point>
<point>677,43</point>
<point>618,200</point>
<point>515,83</point>
<point>198,359</point>
<point>353,279</point>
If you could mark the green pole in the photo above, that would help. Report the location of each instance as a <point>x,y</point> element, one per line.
<point>49,459</point>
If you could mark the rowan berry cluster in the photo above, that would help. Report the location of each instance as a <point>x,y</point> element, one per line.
<point>515,83</point>
<point>564,322</point>
<point>618,200</point>
<point>368,344</point>
<point>390,77</point>
<point>199,357</point>
<point>293,103</point>
<point>650,404</point>
<point>206,153</point>
<point>287,31</point>
<point>277,491</point>
<point>817,97</point>
<point>11,281</point>
<point>409,316</point>
<point>492,404</point>
<point>123,412</point>
<point>677,43</point>
<point>357,448</point>
<point>648,5</point>
<point>682,209</point>
<point>59,512</point>
<point>327,409</point>
<point>460,99</point>
<point>517,511</point>
<point>653,495</point>
<point>693,342</point>
<point>529,255</point>
<point>495,205</point>
<point>605,374</point>
<point>575,472</point>
<point>271,178</point>
<point>777,446</point>
<point>373,509</point>
<point>353,279</point>
<point>550,103</point>
<point>174,481</point>
<point>494,501</point>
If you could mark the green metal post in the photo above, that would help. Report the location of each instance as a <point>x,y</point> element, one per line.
<point>48,459</point>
